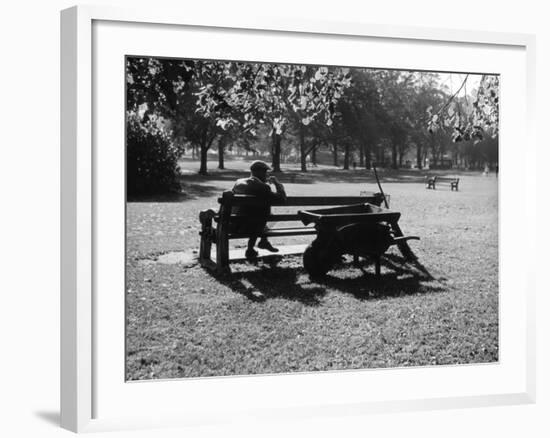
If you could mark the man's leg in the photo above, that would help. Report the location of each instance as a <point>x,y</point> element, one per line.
<point>251,253</point>
<point>258,228</point>
<point>265,244</point>
<point>252,242</point>
<point>243,226</point>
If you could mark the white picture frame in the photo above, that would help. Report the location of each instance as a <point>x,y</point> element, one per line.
<point>81,369</point>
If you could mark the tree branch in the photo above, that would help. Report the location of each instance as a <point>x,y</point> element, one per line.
<point>453,96</point>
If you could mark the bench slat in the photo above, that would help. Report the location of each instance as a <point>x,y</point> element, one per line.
<point>302,228</point>
<point>279,232</point>
<point>271,218</point>
<point>297,201</point>
<point>302,201</point>
<point>274,217</point>
<point>442,178</point>
<point>283,217</point>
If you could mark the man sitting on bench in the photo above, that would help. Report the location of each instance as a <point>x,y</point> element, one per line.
<point>253,218</point>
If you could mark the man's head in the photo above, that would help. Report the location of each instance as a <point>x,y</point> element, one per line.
<point>259,169</point>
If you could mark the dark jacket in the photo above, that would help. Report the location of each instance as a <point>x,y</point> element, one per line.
<point>254,217</point>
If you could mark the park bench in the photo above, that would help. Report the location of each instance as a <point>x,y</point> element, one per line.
<point>431,181</point>
<point>215,226</point>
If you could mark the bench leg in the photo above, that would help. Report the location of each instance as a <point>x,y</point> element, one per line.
<point>222,255</point>
<point>205,250</point>
<point>222,238</point>
<point>207,234</point>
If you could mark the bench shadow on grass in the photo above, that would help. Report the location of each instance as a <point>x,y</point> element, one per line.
<point>272,281</point>
<point>269,280</point>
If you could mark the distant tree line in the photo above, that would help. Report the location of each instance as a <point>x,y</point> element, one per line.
<point>360,116</point>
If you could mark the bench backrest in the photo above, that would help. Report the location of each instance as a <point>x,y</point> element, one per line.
<point>442,178</point>
<point>230,199</point>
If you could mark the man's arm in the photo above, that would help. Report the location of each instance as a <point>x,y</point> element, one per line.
<point>280,189</point>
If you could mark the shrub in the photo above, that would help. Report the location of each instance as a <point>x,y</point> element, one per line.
<point>151,158</point>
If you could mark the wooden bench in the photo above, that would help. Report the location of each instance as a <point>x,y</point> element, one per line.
<point>431,181</point>
<point>215,226</point>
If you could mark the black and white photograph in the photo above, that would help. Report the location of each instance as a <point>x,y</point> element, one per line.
<point>285,218</point>
<point>292,219</point>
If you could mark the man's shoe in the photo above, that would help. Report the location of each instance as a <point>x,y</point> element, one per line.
<point>264,244</point>
<point>251,254</point>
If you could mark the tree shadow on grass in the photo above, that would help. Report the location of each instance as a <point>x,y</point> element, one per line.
<point>188,192</point>
<point>194,191</point>
<point>367,176</point>
<point>273,281</point>
<point>286,176</point>
<point>213,175</point>
<point>330,175</point>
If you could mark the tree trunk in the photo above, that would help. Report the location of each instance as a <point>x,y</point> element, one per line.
<point>434,151</point>
<point>204,154</point>
<point>394,156</point>
<point>380,156</point>
<point>361,155</point>
<point>303,156</point>
<point>346,156</point>
<point>221,148</point>
<point>276,152</point>
<point>367,156</point>
<point>314,156</point>
<point>419,156</point>
<point>335,154</point>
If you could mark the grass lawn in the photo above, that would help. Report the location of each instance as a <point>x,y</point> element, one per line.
<point>185,322</point>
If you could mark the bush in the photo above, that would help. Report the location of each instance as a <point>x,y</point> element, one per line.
<point>151,158</point>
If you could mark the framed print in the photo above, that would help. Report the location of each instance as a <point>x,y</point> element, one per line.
<point>267,218</point>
